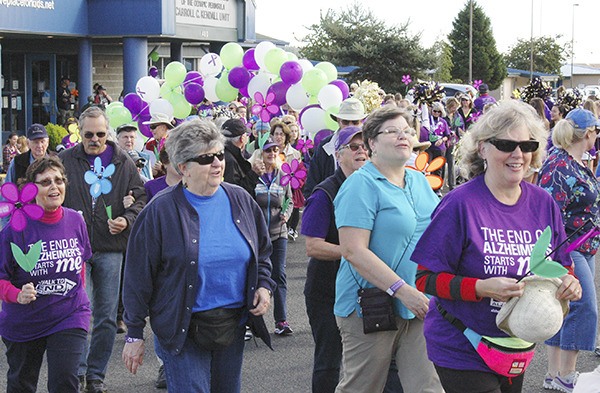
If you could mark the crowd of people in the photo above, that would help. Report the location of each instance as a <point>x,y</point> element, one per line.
<point>188,231</point>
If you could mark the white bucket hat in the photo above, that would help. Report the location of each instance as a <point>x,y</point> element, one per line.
<point>351,109</point>
<point>538,314</point>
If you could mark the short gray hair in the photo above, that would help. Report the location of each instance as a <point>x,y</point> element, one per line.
<point>93,112</point>
<point>372,125</point>
<point>190,139</point>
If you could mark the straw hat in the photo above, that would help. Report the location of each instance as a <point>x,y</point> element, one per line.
<point>537,315</point>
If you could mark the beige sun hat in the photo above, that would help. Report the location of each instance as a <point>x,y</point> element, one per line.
<point>538,314</point>
<point>351,109</point>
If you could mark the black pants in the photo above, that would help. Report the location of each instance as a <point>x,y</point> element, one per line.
<point>468,381</point>
<point>64,350</point>
<point>294,219</point>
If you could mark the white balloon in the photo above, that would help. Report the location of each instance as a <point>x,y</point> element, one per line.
<point>210,87</point>
<point>296,97</point>
<point>160,105</point>
<point>261,51</point>
<point>147,88</point>
<point>291,56</point>
<point>313,120</point>
<point>210,64</point>
<point>305,64</point>
<point>330,96</point>
<point>260,83</point>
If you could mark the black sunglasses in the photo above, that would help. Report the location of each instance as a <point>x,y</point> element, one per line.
<point>207,159</point>
<point>90,135</point>
<point>508,146</point>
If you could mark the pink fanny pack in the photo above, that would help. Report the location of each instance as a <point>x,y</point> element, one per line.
<point>507,356</point>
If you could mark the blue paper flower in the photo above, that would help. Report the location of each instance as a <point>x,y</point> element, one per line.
<point>98,178</point>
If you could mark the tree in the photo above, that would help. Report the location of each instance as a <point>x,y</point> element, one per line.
<point>355,37</point>
<point>548,55</point>
<point>442,54</point>
<point>488,64</point>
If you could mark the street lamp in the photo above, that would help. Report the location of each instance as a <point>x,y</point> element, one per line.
<point>573,42</point>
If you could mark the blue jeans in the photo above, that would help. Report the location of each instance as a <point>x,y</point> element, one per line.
<point>63,350</point>
<point>278,275</point>
<point>579,330</point>
<point>196,370</point>
<point>102,279</point>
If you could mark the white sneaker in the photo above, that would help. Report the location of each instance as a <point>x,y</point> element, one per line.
<point>567,383</point>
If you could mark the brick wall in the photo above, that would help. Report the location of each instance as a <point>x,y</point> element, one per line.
<point>108,68</point>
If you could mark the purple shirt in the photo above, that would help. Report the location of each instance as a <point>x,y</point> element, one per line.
<point>105,156</point>
<point>472,234</point>
<point>154,186</point>
<point>61,301</point>
<point>315,221</point>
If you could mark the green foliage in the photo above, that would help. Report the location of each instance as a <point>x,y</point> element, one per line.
<point>355,37</point>
<point>55,133</point>
<point>442,55</point>
<point>488,64</point>
<point>548,54</point>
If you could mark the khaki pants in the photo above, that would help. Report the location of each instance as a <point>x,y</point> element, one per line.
<point>366,357</point>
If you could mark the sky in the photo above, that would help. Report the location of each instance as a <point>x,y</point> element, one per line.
<point>511,20</point>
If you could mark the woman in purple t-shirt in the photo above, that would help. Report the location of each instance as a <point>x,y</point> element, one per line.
<point>493,220</point>
<point>45,306</point>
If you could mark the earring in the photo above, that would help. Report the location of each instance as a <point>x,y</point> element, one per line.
<point>484,164</point>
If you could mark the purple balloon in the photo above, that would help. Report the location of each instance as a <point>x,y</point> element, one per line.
<point>193,77</point>
<point>248,60</point>
<point>145,129</point>
<point>279,89</point>
<point>291,72</point>
<point>319,136</point>
<point>239,77</point>
<point>244,91</point>
<point>343,86</point>
<point>134,103</point>
<point>194,93</point>
<point>153,71</point>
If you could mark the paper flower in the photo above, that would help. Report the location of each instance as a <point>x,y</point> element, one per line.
<point>477,83</point>
<point>264,106</point>
<point>368,93</point>
<point>98,178</point>
<point>304,145</point>
<point>19,206</point>
<point>406,79</point>
<point>423,165</point>
<point>295,173</point>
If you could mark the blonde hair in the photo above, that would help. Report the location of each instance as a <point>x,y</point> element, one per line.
<point>257,155</point>
<point>438,106</point>
<point>505,117</point>
<point>564,135</point>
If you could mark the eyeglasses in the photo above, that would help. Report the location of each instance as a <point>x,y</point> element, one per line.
<point>395,131</point>
<point>207,159</point>
<point>354,146</point>
<point>436,111</point>
<point>90,135</point>
<point>273,149</point>
<point>508,146</point>
<point>59,181</point>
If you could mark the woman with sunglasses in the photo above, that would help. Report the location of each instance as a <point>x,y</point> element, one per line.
<point>466,112</point>
<point>577,192</point>
<point>380,212</point>
<point>45,308</point>
<point>198,265</point>
<point>275,201</point>
<point>439,134</point>
<point>493,220</point>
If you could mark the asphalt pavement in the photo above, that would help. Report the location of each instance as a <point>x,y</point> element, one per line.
<point>287,368</point>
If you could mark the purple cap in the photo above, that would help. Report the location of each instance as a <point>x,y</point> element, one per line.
<point>345,135</point>
<point>269,143</point>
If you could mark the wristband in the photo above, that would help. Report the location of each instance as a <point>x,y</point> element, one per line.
<point>131,340</point>
<point>394,287</point>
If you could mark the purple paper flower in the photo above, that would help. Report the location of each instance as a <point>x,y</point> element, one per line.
<point>18,204</point>
<point>304,145</point>
<point>264,106</point>
<point>477,83</point>
<point>294,174</point>
<point>406,79</point>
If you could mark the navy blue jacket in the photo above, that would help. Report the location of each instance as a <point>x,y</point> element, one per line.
<point>161,272</point>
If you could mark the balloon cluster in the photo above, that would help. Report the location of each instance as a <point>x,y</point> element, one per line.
<point>572,99</point>
<point>428,92</point>
<point>536,88</point>
<point>266,74</point>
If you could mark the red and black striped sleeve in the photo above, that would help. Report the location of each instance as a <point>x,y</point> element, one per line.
<point>446,285</point>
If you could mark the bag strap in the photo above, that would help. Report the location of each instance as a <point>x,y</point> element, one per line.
<point>457,323</point>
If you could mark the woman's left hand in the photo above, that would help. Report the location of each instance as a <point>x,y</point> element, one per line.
<point>262,301</point>
<point>414,300</point>
<point>570,289</point>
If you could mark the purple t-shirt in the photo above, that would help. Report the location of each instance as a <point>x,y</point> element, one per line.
<point>472,234</point>
<point>315,221</point>
<point>61,299</point>
<point>105,156</point>
<point>154,186</point>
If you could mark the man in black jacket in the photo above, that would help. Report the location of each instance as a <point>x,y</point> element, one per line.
<point>237,169</point>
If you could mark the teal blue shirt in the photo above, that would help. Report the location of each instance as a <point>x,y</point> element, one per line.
<point>396,218</point>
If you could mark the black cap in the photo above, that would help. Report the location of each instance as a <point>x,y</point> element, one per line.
<point>483,88</point>
<point>36,131</point>
<point>233,128</point>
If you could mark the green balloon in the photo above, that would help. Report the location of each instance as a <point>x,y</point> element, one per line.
<point>166,91</point>
<point>329,70</point>
<point>154,56</point>
<point>112,107</point>
<point>224,90</point>
<point>291,56</point>
<point>231,55</point>
<point>332,124</point>
<point>119,116</point>
<point>313,80</point>
<point>175,73</point>
<point>181,108</point>
<point>274,59</point>
<point>313,100</point>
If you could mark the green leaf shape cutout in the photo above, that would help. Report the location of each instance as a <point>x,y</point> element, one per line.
<point>29,260</point>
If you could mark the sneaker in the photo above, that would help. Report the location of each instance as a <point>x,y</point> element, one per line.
<point>567,383</point>
<point>293,235</point>
<point>548,378</point>
<point>248,335</point>
<point>121,327</point>
<point>283,328</point>
<point>597,351</point>
<point>161,380</point>
<point>95,386</point>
